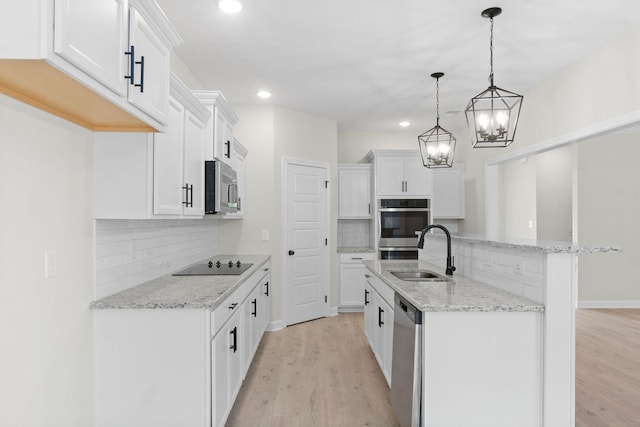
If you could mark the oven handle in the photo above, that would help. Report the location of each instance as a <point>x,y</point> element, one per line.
<point>397,248</point>
<point>404,210</point>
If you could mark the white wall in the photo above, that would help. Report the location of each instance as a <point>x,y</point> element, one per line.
<point>270,134</point>
<point>518,182</point>
<point>46,327</point>
<point>554,189</point>
<point>608,203</point>
<point>354,145</point>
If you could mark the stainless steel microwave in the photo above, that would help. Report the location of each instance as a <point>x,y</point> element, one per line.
<point>220,188</point>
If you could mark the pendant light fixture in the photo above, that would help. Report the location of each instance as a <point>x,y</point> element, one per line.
<point>437,145</point>
<point>492,115</point>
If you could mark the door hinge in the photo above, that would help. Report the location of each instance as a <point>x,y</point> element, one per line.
<point>326,242</point>
<point>326,184</point>
<point>326,299</point>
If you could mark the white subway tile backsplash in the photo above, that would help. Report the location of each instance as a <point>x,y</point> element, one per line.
<point>131,252</point>
<point>354,233</point>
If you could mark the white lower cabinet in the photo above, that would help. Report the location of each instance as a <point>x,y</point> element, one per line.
<point>378,322</point>
<point>177,367</point>
<point>352,278</point>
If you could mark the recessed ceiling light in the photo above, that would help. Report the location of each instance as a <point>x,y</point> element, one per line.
<point>404,124</point>
<point>264,94</point>
<point>230,6</point>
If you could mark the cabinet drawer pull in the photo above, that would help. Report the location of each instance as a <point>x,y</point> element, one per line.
<point>380,321</point>
<point>367,276</point>
<point>233,305</point>
<point>266,285</point>
<point>356,257</point>
<point>366,297</point>
<point>254,313</point>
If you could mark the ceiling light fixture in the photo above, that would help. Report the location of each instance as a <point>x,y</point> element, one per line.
<point>404,124</point>
<point>264,94</point>
<point>230,6</point>
<point>492,115</point>
<point>437,145</point>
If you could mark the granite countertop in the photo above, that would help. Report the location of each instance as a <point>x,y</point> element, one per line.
<point>355,250</point>
<point>462,294</point>
<point>544,246</point>
<point>170,292</point>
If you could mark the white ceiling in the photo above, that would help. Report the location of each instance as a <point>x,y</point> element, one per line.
<point>367,63</point>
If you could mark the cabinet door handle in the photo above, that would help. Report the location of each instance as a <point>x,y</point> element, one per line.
<point>228,153</point>
<point>366,297</point>
<point>266,285</point>
<point>254,313</point>
<point>233,305</point>
<point>355,258</point>
<point>234,343</point>
<point>188,195</point>
<point>380,321</point>
<point>367,276</point>
<point>132,62</point>
<point>369,207</point>
<point>141,84</point>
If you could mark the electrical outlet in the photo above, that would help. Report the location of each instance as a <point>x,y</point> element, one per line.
<point>265,235</point>
<point>517,268</point>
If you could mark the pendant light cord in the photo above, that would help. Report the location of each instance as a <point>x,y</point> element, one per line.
<point>438,101</point>
<point>491,54</point>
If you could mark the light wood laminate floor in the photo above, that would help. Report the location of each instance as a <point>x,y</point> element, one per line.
<point>322,373</point>
<point>608,368</point>
<point>318,373</point>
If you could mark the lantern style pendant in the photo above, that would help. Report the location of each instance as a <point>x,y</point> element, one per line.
<point>437,145</point>
<point>492,115</point>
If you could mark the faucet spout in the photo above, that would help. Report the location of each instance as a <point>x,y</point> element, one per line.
<point>450,267</point>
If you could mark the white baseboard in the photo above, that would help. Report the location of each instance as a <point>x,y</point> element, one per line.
<point>608,304</point>
<point>351,309</point>
<point>333,311</point>
<point>275,325</point>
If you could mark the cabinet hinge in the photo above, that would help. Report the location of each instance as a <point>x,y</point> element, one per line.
<point>326,184</point>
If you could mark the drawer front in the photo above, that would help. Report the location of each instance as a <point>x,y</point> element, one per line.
<point>352,258</point>
<point>224,311</point>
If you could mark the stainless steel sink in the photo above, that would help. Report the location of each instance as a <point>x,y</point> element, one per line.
<point>419,276</point>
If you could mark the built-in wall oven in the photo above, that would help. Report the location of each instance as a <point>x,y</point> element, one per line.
<point>398,221</point>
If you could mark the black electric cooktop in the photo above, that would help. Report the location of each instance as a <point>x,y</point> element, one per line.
<point>218,268</point>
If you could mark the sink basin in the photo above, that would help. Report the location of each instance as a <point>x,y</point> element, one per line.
<point>420,276</point>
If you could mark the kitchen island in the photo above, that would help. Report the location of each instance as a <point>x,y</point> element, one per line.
<point>542,272</point>
<point>480,349</point>
<point>174,350</point>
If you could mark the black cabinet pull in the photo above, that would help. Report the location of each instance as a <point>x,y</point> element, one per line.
<point>188,195</point>
<point>228,153</point>
<point>234,343</point>
<point>380,322</point>
<point>132,62</point>
<point>141,84</point>
<point>366,297</point>
<point>233,305</point>
<point>266,285</point>
<point>254,313</point>
<point>367,276</point>
<point>291,252</point>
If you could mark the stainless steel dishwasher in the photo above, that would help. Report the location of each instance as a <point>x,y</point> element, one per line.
<point>406,363</point>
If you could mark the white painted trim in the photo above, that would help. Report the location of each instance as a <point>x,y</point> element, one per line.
<point>286,162</point>
<point>350,309</point>
<point>609,304</point>
<point>275,325</point>
<point>333,311</point>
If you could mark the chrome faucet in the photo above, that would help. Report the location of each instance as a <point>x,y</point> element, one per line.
<point>450,267</point>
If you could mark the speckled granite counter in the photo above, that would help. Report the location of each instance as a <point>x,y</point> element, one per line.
<point>355,250</point>
<point>170,292</point>
<point>543,246</point>
<point>462,294</point>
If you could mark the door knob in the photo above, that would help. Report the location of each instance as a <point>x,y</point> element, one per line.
<point>291,252</point>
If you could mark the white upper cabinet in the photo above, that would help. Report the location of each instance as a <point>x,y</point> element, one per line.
<point>354,188</point>
<point>102,64</point>
<point>219,128</point>
<point>158,175</point>
<point>401,174</point>
<point>101,54</point>
<point>448,192</point>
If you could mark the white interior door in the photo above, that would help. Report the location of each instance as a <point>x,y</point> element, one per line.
<point>307,257</point>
